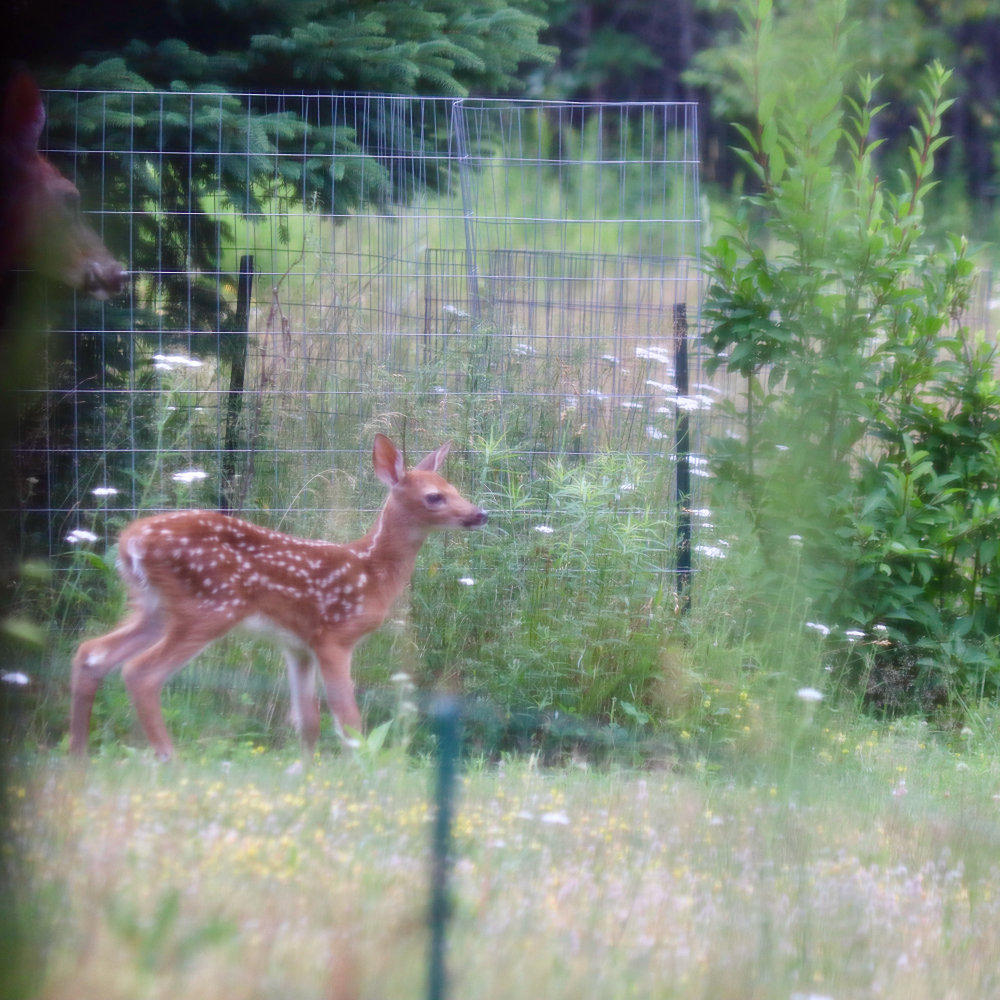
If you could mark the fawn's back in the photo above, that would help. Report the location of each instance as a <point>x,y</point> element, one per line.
<point>203,563</point>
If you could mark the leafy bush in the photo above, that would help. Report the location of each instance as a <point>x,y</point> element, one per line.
<point>870,413</point>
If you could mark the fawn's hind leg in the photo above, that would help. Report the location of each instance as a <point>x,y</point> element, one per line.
<point>96,658</point>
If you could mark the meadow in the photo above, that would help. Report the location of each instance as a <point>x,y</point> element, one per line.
<point>862,865</point>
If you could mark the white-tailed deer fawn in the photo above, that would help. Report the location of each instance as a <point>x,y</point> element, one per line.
<point>40,222</point>
<point>192,576</point>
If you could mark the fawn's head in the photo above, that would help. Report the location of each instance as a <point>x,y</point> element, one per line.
<point>420,494</point>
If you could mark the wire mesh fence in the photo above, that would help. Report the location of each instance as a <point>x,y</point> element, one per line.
<point>307,270</point>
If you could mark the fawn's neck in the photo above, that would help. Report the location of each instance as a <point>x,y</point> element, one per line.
<point>390,548</point>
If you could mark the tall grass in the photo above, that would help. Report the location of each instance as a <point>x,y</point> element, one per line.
<point>560,622</point>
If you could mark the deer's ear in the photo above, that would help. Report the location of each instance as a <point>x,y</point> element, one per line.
<point>387,460</point>
<point>434,461</point>
<point>23,113</point>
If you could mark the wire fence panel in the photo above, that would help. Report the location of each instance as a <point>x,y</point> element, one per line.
<point>485,271</point>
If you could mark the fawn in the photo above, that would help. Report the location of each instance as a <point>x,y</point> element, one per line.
<point>193,576</point>
<point>40,222</point>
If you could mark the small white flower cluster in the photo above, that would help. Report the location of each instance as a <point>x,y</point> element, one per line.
<point>168,362</point>
<point>717,551</point>
<point>852,635</point>
<point>80,536</point>
<point>810,695</point>
<point>189,476</point>
<point>824,630</point>
<point>658,354</point>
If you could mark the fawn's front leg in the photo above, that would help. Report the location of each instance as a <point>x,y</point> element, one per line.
<point>146,674</point>
<point>335,666</point>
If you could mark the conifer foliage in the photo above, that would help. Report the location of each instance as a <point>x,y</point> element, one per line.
<point>184,114</point>
<point>441,47</point>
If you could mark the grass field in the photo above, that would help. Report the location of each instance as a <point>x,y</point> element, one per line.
<point>866,867</point>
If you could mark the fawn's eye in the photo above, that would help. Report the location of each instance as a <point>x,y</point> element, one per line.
<point>434,499</point>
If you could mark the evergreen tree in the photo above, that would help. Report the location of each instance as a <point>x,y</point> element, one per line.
<point>436,47</point>
<point>432,47</point>
<point>158,91</point>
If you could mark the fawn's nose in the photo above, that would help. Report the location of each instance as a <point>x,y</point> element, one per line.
<point>104,280</point>
<point>476,520</point>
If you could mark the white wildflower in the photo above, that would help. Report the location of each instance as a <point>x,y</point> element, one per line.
<point>189,476</point>
<point>823,630</point>
<point>168,362</point>
<point>711,551</point>
<point>688,403</point>
<point>544,529</point>
<point>809,694</point>
<point>556,818</point>
<point>662,386</point>
<point>658,354</point>
<point>78,536</point>
<point>104,491</point>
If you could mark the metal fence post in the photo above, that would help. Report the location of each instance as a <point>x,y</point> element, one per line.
<point>237,381</point>
<point>465,182</point>
<point>683,448</point>
<point>446,714</point>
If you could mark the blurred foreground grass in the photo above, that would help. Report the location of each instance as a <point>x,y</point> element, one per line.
<point>873,872</point>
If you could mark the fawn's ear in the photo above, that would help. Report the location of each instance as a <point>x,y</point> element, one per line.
<point>387,460</point>
<point>23,114</point>
<point>434,461</point>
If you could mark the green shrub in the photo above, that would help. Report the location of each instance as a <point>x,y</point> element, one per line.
<point>870,413</point>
